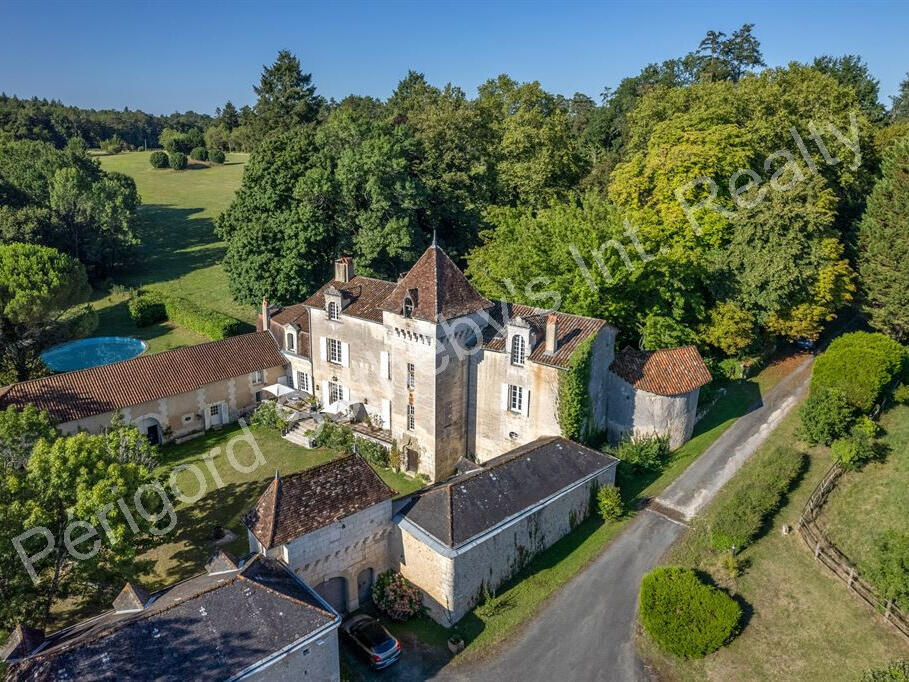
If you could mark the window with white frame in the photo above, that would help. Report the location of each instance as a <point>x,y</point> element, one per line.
<point>334,311</point>
<point>335,352</point>
<point>516,398</point>
<point>411,418</point>
<point>258,377</point>
<point>335,392</point>
<point>303,382</point>
<point>411,375</point>
<point>518,350</point>
<point>291,342</point>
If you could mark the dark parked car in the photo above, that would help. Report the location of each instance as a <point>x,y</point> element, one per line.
<point>371,640</point>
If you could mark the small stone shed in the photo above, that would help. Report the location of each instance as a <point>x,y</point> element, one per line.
<point>476,530</point>
<point>655,392</point>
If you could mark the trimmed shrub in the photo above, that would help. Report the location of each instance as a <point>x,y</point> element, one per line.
<point>146,308</point>
<point>826,415</point>
<point>216,156</point>
<point>895,671</point>
<point>268,415</point>
<point>203,321</point>
<point>888,567</point>
<point>199,154</point>
<point>396,597</point>
<point>685,616</point>
<point>609,503</point>
<point>755,495</point>
<point>646,453</point>
<point>858,365</point>
<point>371,451</point>
<point>158,160</point>
<point>177,160</point>
<point>901,394</point>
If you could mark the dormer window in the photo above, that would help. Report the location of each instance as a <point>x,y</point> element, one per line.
<point>334,311</point>
<point>290,342</point>
<point>410,302</point>
<point>518,350</point>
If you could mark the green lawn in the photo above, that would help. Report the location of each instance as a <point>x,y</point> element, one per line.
<point>179,253</point>
<point>868,503</point>
<point>800,622</point>
<point>189,545</point>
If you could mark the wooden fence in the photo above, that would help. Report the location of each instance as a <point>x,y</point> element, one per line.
<point>829,555</point>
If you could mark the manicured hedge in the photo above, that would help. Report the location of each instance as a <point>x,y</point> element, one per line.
<point>199,154</point>
<point>216,156</point>
<point>858,365</point>
<point>158,160</point>
<point>202,320</point>
<point>685,616</point>
<point>757,492</point>
<point>177,160</point>
<point>826,415</point>
<point>147,308</point>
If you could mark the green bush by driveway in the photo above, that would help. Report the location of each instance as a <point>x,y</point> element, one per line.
<point>859,366</point>
<point>685,616</point>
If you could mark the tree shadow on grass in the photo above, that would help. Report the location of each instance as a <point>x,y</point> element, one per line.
<point>174,242</point>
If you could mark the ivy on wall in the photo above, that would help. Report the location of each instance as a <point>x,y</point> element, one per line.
<point>573,409</point>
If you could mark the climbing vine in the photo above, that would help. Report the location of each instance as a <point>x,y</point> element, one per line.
<point>574,410</point>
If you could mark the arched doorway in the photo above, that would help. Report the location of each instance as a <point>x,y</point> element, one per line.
<point>364,586</point>
<point>334,591</point>
<point>151,428</point>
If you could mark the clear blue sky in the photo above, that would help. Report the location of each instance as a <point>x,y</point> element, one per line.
<point>164,56</point>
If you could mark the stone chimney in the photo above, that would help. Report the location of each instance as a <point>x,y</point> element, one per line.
<point>266,318</point>
<point>552,333</point>
<point>22,641</point>
<point>131,598</point>
<point>344,269</point>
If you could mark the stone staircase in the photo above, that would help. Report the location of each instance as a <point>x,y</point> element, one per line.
<point>295,433</point>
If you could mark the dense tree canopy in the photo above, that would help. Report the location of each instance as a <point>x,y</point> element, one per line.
<point>287,96</point>
<point>884,246</point>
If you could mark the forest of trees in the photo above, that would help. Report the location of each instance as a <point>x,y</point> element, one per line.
<point>601,207</point>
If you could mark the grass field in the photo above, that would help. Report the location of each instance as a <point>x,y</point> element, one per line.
<point>180,253</point>
<point>800,622</point>
<point>866,504</point>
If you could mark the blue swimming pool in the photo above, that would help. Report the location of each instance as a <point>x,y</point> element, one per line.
<point>98,350</point>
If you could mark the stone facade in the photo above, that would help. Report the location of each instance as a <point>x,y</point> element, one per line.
<point>181,416</point>
<point>453,580</point>
<point>638,413</point>
<point>354,548</point>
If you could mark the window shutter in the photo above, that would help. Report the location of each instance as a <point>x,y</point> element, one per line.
<point>345,354</point>
<point>526,403</point>
<point>384,365</point>
<point>386,413</point>
<point>504,397</point>
<point>323,349</point>
<point>324,393</point>
<point>346,392</point>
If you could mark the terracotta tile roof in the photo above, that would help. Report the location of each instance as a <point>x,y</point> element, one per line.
<point>571,330</point>
<point>442,289</point>
<point>294,314</point>
<point>209,627</point>
<point>294,505</point>
<point>671,371</point>
<point>366,295</point>
<point>465,506</point>
<point>87,392</point>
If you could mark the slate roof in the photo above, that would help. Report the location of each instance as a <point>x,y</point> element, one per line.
<point>571,330</point>
<point>206,628</point>
<point>365,295</point>
<point>87,392</point>
<point>469,504</point>
<point>442,289</point>
<point>294,505</point>
<point>672,371</point>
